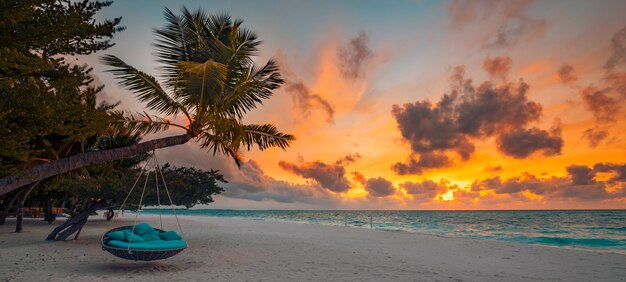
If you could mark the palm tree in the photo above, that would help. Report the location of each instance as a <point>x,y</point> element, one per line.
<point>208,76</point>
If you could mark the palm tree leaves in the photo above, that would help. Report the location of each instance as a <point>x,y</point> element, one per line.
<point>208,70</point>
<point>204,83</point>
<point>251,88</point>
<point>265,136</point>
<point>226,136</point>
<point>144,85</point>
<point>139,123</point>
<point>172,46</point>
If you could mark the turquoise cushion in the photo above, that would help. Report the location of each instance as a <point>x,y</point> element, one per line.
<point>116,235</point>
<point>143,228</point>
<point>152,245</point>
<point>169,236</point>
<point>151,236</point>
<point>130,237</point>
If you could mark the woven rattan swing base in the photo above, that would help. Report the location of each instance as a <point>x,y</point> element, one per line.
<point>142,255</point>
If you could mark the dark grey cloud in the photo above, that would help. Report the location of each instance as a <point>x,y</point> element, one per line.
<point>354,56</point>
<point>329,176</point>
<point>423,191</point>
<point>305,100</point>
<point>595,135</point>
<point>581,174</point>
<point>506,22</point>
<point>251,183</point>
<point>617,82</point>
<point>567,74</point>
<point>579,184</point>
<point>619,170</point>
<point>349,158</point>
<point>517,30</point>
<point>424,161</point>
<point>606,100</point>
<point>488,110</point>
<point>467,113</point>
<point>521,143</point>
<point>248,181</point>
<point>600,102</point>
<point>250,178</point>
<point>379,187</point>
<point>511,186</point>
<point>276,190</point>
<point>593,192</point>
<point>493,169</point>
<point>498,67</point>
<point>618,56</point>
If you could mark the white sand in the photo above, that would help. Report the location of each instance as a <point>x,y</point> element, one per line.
<point>246,250</point>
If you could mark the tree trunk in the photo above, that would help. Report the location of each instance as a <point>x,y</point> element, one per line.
<point>43,171</point>
<point>7,208</point>
<point>47,211</point>
<point>110,214</point>
<point>19,215</point>
<point>72,225</point>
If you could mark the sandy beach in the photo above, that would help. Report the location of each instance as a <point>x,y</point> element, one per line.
<point>226,249</point>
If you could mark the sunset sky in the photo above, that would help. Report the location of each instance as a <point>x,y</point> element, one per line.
<point>419,104</point>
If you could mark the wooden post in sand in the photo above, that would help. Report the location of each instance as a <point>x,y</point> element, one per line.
<point>371,225</point>
<point>345,220</point>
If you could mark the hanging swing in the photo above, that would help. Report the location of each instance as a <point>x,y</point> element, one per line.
<point>142,241</point>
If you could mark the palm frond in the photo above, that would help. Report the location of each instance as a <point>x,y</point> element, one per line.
<point>217,144</point>
<point>208,70</point>
<point>173,45</point>
<point>140,123</point>
<point>204,82</point>
<point>266,136</point>
<point>144,85</point>
<point>253,87</point>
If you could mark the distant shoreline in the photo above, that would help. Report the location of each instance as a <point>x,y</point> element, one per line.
<point>384,210</point>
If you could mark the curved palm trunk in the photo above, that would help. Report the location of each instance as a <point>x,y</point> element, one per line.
<point>19,215</point>
<point>8,206</point>
<point>43,171</point>
<point>73,224</point>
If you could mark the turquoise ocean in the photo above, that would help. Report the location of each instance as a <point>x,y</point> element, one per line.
<point>587,229</point>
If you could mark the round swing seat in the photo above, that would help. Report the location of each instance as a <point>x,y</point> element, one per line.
<point>143,251</point>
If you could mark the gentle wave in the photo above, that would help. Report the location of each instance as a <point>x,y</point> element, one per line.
<point>584,242</point>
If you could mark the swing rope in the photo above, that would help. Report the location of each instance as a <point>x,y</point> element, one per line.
<point>139,207</point>
<point>158,168</point>
<point>156,183</point>
<point>133,187</point>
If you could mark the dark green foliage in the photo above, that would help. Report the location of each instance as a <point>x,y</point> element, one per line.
<point>95,183</point>
<point>209,76</point>
<point>188,186</point>
<point>46,28</point>
<point>48,107</point>
<point>110,183</point>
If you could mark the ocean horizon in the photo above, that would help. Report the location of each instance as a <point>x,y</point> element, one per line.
<point>597,229</point>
